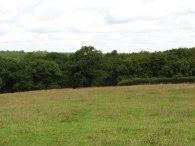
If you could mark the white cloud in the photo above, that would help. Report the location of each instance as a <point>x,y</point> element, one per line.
<point>125,25</point>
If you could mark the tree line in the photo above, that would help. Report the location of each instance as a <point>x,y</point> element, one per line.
<point>23,71</point>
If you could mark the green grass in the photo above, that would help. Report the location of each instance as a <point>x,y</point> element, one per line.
<point>150,115</point>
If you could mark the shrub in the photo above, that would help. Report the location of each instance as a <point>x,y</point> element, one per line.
<point>138,81</point>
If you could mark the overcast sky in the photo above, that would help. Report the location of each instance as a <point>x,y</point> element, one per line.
<point>123,25</point>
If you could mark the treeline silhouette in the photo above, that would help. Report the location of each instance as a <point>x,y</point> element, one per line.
<point>23,71</point>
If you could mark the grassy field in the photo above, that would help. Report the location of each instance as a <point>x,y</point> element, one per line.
<point>149,115</point>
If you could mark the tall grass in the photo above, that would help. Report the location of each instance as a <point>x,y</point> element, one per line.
<point>144,115</point>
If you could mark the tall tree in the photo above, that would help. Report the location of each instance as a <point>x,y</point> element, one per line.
<point>84,65</point>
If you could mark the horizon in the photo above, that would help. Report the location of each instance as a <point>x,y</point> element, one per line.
<point>44,50</point>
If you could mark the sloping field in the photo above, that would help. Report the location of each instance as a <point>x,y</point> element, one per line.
<point>149,115</point>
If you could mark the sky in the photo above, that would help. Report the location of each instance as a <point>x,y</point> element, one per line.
<point>122,25</point>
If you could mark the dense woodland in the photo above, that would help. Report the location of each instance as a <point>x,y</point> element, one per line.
<point>23,71</point>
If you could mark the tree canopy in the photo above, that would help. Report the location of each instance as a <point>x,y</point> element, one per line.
<point>23,71</point>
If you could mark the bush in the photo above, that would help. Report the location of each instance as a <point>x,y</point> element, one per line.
<point>139,81</point>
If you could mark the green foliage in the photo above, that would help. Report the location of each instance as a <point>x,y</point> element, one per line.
<point>45,74</point>
<point>21,71</point>
<point>16,55</point>
<point>176,79</point>
<point>84,65</point>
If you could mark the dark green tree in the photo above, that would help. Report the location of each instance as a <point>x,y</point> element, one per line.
<point>85,64</point>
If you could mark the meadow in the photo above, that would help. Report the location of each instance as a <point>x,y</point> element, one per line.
<point>142,115</point>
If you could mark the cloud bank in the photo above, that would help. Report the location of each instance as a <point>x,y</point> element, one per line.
<point>125,25</point>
